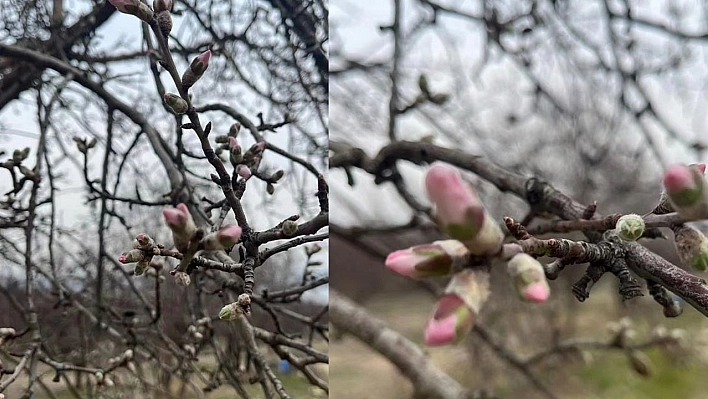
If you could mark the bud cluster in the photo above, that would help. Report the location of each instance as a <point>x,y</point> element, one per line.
<point>461,215</point>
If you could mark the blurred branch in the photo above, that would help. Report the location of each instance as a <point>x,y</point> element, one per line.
<point>428,380</point>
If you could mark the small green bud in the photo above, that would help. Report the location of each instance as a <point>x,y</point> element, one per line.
<point>630,227</point>
<point>270,188</point>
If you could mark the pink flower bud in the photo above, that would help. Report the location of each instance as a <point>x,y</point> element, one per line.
<point>243,171</point>
<point>458,308</point>
<point>233,143</point>
<point>460,213</point>
<point>228,236</point>
<point>687,190</point>
<point>200,63</point>
<point>182,225</point>
<point>134,255</point>
<point>449,322</point>
<point>144,240</point>
<point>426,260</point>
<point>529,278</point>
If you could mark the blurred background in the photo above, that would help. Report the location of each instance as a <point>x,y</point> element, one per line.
<point>268,68</point>
<point>595,97</point>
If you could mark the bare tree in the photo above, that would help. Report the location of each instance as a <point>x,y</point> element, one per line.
<point>558,109</point>
<point>214,114</point>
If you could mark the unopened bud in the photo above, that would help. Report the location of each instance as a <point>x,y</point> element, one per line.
<point>226,237</point>
<point>182,225</point>
<point>277,175</point>
<point>164,22</point>
<point>691,247</point>
<point>426,260</point>
<point>289,228</point>
<point>630,227</point>
<point>460,213</point>
<point>144,240</point>
<point>176,103</point>
<point>243,171</point>
<point>134,255</point>
<point>456,311</point>
<point>196,70</point>
<point>182,279</point>
<point>529,278</point>
<point>270,189</point>
<point>687,190</point>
